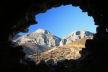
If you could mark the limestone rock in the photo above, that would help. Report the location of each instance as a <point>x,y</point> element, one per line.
<point>40,40</point>
<point>63,42</point>
<point>76,35</point>
<point>44,38</point>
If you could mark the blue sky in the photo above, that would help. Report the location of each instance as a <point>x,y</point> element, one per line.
<point>63,20</point>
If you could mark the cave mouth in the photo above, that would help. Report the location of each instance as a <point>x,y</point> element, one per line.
<point>42,24</point>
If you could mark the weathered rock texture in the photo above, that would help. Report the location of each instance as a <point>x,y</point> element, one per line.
<point>41,40</point>
<point>75,36</point>
<point>40,37</point>
<point>17,16</point>
<point>68,51</point>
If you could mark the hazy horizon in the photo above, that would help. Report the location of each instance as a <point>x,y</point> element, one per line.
<point>63,20</point>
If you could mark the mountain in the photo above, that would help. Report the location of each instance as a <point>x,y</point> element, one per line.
<point>41,37</point>
<point>48,46</point>
<point>68,51</point>
<point>76,35</point>
<point>41,40</point>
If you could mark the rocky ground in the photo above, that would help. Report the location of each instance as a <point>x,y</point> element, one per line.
<point>42,45</point>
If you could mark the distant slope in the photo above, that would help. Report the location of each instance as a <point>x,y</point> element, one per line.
<point>69,51</point>
<point>41,37</point>
<point>78,43</point>
<point>76,35</point>
<point>32,48</point>
<point>40,40</point>
<point>41,44</point>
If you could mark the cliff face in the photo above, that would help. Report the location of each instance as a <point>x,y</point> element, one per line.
<point>44,38</point>
<point>41,37</point>
<point>42,43</point>
<point>40,40</point>
<point>76,35</point>
<point>68,51</point>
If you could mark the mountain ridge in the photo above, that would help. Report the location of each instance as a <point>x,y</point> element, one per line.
<point>42,40</point>
<point>69,51</point>
<point>75,35</point>
<point>45,38</point>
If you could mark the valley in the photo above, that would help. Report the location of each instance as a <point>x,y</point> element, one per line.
<point>42,45</point>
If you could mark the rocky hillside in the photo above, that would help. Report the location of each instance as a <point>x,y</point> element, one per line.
<point>68,51</point>
<point>41,44</point>
<point>40,40</point>
<point>41,37</point>
<point>76,35</point>
<point>32,48</point>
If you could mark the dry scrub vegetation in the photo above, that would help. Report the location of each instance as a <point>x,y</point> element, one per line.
<point>69,51</point>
